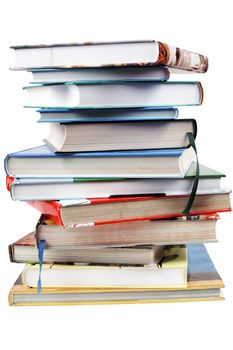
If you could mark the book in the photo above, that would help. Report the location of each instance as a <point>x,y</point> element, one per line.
<point>200,228</point>
<point>203,284</point>
<point>75,188</point>
<point>41,162</point>
<point>102,115</point>
<point>43,76</point>
<point>120,135</point>
<point>96,211</point>
<point>97,54</point>
<point>114,95</point>
<point>25,250</point>
<point>172,273</point>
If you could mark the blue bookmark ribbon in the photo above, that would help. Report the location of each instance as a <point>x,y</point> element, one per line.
<point>41,247</point>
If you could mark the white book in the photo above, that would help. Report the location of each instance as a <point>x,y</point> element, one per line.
<point>116,95</point>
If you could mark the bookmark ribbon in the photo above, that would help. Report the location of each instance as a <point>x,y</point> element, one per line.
<point>41,247</point>
<point>196,179</point>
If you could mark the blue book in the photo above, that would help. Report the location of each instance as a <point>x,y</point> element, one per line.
<point>41,162</point>
<point>64,115</point>
<point>104,74</point>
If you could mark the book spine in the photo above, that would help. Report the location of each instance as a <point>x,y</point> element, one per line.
<point>6,164</point>
<point>176,57</point>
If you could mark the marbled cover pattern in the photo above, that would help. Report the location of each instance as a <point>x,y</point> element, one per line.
<point>170,56</point>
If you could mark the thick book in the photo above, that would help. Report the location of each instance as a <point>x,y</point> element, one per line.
<point>43,76</point>
<point>203,284</point>
<point>97,211</point>
<point>118,53</point>
<point>114,95</point>
<point>25,250</point>
<point>62,115</point>
<point>172,273</point>
<point>182,230</point>
<point>76,188</point>
<point>120,135</point>
<point>41,162</point>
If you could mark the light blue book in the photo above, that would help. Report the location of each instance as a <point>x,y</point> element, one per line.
<point>41,162</point>
<point>64,115</point>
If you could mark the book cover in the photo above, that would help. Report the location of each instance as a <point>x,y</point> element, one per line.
<point>161,54</point>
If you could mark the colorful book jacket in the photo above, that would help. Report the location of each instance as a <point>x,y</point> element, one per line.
<point>171,56</point>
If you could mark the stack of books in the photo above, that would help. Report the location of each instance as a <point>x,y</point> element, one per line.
<point>125,205</point>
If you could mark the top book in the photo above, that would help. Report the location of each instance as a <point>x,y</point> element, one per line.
<point>108,54</point>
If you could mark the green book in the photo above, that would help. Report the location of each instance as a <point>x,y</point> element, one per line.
<point>75,188</point>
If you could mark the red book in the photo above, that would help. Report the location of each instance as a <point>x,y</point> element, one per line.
<point>99,211</point>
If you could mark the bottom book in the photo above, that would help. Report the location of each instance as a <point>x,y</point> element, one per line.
<point>203,284</point>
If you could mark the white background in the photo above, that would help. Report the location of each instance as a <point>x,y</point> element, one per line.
<point>201,26</point>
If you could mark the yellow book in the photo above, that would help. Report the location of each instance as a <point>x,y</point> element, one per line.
<point>203,284</point>
<point>172,273</point>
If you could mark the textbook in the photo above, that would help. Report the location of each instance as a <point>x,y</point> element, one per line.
<point>192,229</point>
<point>76,188</point>
<point>114,95</point>
<point>120,135</point>
<point>119,53</point>
<point>203,284</point>
<point>43,76</point>
<point>62,115</point>
<point>171,273</point>
<point>98,211</point>
<point>25,251</point>
<point>41,162</point>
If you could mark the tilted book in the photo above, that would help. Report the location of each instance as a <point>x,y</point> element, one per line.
<point>25,250</point>
<point>97,211</point>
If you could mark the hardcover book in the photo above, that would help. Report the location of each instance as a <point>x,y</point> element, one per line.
<point>118,53</point>
<point>25,251</point>
<point>98,211</point>
<point>203,284</point>
<point>114,95</point>
<point>120,135</point>
<point>172,273</point>
<point>76,188</point>
<point>62,115</point>
<point>41,162</point>
<point>182,230</point>
<point>43,76</point>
